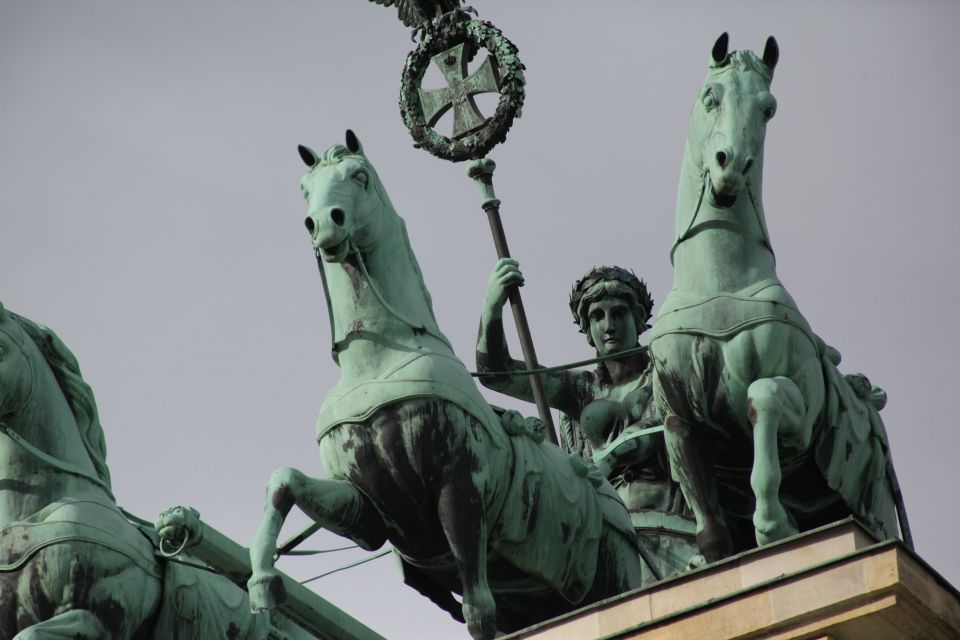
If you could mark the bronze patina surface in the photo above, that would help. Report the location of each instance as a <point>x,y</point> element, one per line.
<point>765,435</point>
<point>474,503</point>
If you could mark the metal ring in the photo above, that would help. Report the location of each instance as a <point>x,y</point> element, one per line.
<point>183,545</point>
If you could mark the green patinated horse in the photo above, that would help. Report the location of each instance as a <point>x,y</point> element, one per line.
<point>72,566</point>
<point>472,504</point>
<point>764,435</point>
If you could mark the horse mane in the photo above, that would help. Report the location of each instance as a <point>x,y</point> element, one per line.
<point>416,269</point>
<point>744,61</point>
<point>334,154</point>
<point>77,392</point>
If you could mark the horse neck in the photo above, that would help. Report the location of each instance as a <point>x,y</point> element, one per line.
<point>724,249</point>
<point>379,298</point>
<point>47,424</point>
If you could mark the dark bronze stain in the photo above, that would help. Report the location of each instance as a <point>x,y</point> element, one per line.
<point>8,605</point>
<point>673,386</point>
<point>37,571</point>
<point>824,449</point>
<point>81,581</point>
<point>353,272</point>
<point>278,593</point>
<point>111,613</point>
<point>282,498</point>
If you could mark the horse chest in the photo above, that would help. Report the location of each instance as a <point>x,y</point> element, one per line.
<point>389,460</point>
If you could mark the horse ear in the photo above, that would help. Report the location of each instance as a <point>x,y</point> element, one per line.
<point>308,155</point>
<point>719,51</point>
<point>771,53</point>
<point>353,142</point>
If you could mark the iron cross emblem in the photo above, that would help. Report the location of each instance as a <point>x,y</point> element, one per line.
<point>459,92</point>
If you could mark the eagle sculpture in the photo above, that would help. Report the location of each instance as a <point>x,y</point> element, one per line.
<point>414,13</point>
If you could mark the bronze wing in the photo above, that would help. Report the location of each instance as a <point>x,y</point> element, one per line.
<point>413,13</point>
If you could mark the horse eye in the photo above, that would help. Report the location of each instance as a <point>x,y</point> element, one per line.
<point>710,101</point>
<point>768,112</point>
<point>361,177</point>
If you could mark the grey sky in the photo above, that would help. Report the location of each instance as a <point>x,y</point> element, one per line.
<point>150,214</point>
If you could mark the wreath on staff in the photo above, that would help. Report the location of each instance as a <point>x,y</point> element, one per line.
<point>453,29</point>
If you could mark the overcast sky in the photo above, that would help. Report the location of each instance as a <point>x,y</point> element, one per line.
<point>150,214</point>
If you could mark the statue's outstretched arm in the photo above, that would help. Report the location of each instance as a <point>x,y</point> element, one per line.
<point>493,354</point>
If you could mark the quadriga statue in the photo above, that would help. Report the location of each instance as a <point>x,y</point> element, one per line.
<point>72,565</point>
<point>472,504</point>
<point>765,436</point>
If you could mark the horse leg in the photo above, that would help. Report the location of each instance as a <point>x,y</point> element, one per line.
<point>619,567</point>
<point>333,504</point>
<point>776,411</point>
<point>695,475</point>
<point>77,624</point>
<point>461,515</point>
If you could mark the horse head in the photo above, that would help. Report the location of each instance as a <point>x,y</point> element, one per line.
<point>729,118</point>
<point>345,198</point>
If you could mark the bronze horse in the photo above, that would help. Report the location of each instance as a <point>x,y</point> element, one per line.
<point>473,505</point>
<point>764,434</point>
<point>72,564</point>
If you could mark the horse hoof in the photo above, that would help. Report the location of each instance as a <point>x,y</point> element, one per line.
<point>481,617</point>
<point>768,530</point>
<point>696,562</point>
<point>266,592</point>
<point>482,628</point>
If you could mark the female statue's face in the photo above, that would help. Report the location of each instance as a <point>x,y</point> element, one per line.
<point>612,326</point>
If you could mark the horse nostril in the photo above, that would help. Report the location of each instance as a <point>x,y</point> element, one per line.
<point>311,227</point>
<point>337,216</point>
<point>721,159</point>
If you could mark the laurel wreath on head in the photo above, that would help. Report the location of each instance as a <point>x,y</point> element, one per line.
<point>449,31</point>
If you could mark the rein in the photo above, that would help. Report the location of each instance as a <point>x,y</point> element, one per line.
<point>51,461</point>
<point>334,348</point>
<point>386,305</point>
<point>686,234</point>
<point>765,239</point>
<point>563,367</point>
<point>760,222</point>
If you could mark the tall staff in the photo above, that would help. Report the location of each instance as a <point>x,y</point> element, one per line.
<point>454,40</point>
<point>482,172</point>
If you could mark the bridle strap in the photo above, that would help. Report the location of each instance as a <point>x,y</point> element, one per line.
<point>51,461</point>
<point>386,305</point>
<point>334,349</point>
<point>334,346</point>
<point>765,237</point>
<point>760,223</point>
<point>686,234</point>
